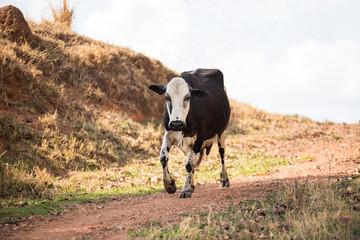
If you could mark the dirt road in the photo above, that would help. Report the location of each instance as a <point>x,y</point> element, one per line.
<point>112,220</point>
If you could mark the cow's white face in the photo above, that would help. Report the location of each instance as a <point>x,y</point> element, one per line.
<point>177,95</point>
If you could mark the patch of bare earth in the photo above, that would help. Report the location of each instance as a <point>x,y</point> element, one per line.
<point>334,151</point>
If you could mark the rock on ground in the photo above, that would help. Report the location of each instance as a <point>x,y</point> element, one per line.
<point>13,23</point>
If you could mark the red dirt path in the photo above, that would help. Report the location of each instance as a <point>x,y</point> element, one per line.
<point>112,220</point>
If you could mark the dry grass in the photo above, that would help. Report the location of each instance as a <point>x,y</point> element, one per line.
<point>299,211</point>
<point>246,119</point>
<point>68,103</point>
<point>60,63</point>
<point>63,13</point>
<point>16,180</point>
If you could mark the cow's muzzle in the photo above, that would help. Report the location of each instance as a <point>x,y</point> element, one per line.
<point>177,125</point>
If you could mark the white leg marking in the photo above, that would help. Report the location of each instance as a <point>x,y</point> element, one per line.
<point>168,140</point>
<point>224,180</point>
<point>189,185</point>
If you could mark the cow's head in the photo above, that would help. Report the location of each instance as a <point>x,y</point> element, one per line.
<point>178,95</point>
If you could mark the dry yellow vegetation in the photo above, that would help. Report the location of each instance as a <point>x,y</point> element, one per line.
<point>69,102</point>
<point>63,13</point>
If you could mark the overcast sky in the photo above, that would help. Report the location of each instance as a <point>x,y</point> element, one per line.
<point>285,56</point>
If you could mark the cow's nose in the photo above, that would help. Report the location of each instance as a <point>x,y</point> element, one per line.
<point>176,125</point>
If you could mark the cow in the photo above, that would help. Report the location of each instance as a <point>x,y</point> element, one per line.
<point>196,115</point>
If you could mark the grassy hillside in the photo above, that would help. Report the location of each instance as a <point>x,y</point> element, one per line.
<point>69,102</point>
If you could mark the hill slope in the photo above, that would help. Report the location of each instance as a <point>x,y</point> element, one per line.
<point>70,102</point>
<point>58,65</point>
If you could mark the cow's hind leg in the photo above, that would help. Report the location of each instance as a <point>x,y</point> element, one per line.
<point>169,182</point>
<point>224,180</point>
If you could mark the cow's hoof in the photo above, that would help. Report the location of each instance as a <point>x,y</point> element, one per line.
<point>185,194</point>
<point>225,183</point>
<point>172,188</point>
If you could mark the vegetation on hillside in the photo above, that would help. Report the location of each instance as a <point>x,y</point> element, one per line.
<point>63,13</point>
<point>71,103</point>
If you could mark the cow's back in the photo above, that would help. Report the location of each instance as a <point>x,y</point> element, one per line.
<point>210,74</point>
<point>212,113</point>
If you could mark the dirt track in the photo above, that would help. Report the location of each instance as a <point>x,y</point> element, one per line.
<point>112,220</point>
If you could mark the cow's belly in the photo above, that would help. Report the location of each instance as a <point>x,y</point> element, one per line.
<point>186,143</point>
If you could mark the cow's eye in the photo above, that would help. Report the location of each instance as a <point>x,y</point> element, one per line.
<point>187,98</point>
<point>167,98</point>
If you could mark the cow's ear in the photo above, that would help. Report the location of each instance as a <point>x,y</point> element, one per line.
<point>159,89</point>
<point>198,93</point>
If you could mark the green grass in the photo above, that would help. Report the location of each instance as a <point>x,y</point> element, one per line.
<point>299,211</point>
<point>58,204</point>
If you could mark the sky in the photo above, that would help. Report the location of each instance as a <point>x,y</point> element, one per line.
<point>283,56</point>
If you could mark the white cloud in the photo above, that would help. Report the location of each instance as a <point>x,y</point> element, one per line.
<point>316,4</point>
<point>311,75</point>
<point>152,27</point>
<point>185,34</point>
<point>35,9</point>
<point>331,67</point>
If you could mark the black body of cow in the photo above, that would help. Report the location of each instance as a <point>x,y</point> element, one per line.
<point>207,117</point>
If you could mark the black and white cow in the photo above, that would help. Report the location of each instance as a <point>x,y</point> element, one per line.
<point>196,115</point>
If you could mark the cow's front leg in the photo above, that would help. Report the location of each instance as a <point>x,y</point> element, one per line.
<point>189,185</point>
<point>169,182</point>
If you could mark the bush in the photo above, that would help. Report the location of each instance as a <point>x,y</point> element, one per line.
<point>63,13</point>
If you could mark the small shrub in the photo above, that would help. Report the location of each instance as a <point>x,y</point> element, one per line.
<point>63,13</point>
<point>16,181</point>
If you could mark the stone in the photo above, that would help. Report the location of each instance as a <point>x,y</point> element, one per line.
<point>13,24</point>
